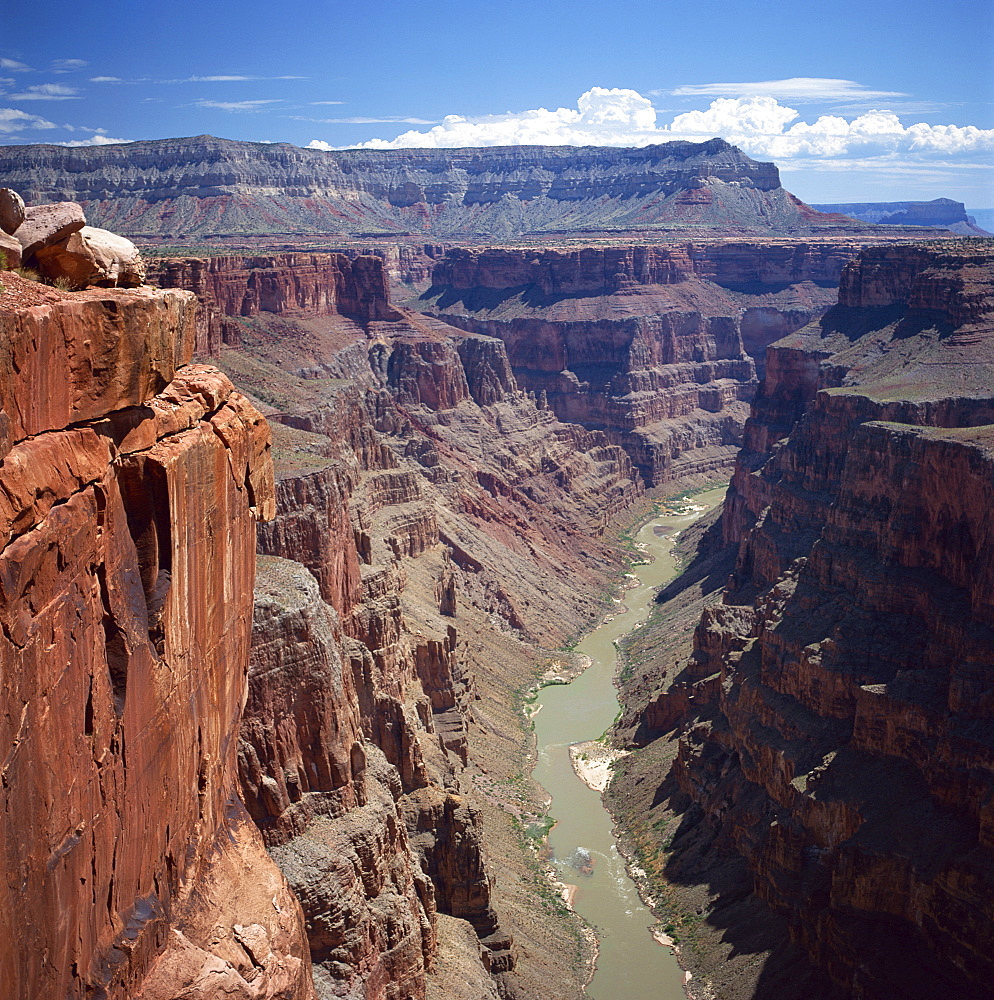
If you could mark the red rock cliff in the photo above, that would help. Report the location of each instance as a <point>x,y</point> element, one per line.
<point>131,483</point>
<point>292,284</point>
<point>840,693</point>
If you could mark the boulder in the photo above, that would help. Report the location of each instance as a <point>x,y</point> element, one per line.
<point>10,249</point>
<point>11,210</point>
<point>44,225</point>
<point>93,257</point>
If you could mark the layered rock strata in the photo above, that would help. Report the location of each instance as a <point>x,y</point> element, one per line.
<point>286,284</point>
<point>657,346</point>
<point>427,511</point>
<point>203,187</point>
<point>941,213</point>
<point>839,695</point>
<point>131,483</point>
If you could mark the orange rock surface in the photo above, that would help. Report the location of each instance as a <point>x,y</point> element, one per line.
<point>131,484</point>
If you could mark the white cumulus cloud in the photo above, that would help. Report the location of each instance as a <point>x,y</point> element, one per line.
<point>759,124</point>
<point>602,117</point>
<point>762,127</point>
<point>95,140</point>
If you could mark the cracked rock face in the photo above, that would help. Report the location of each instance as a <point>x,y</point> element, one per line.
<point>131,484</point>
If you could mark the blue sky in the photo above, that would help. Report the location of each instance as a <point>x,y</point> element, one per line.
<point>855,100</point>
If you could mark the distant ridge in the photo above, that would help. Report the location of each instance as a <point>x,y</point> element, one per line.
<point>942,213</point>
<point>204,186</point>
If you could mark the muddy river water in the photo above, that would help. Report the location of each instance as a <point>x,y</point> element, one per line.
<point>630,963</point>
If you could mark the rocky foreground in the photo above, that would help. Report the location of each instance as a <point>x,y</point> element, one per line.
<point>815,785</point>
<point>131,482</point>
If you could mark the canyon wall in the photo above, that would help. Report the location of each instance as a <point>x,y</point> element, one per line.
<point>656,346</point>
<point>203,187</point>
<point>131,483</point>
<point>837,701</point>
<point>435,527</point>
<point>295,284</point>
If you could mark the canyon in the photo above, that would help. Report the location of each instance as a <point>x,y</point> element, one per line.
<point>660,347</point>
<point>292,536</point>
<point>813,698</point>
<point>431,534</point>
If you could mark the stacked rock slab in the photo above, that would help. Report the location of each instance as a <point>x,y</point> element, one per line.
<point>841,693</point>
<point>131,482</point>
<point>56,241</point>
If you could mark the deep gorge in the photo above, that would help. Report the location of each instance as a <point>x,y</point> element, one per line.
<point>434,476</point>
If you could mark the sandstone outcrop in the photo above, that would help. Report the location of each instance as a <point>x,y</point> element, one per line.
<point>56,241</point>
<point>131,483</point>
<point>93,257</point>
<point>44,225</point>
<point>656,346</point>
<point>837,701</point>
<point>204,186</point>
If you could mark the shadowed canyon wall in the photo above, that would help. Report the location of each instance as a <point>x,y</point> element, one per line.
<point>834,714</point>
<point>131,482</point>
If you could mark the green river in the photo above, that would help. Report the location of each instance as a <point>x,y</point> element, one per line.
<point>630,963</point>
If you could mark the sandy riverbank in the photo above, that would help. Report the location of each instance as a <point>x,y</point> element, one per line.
<point>593,763</point>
